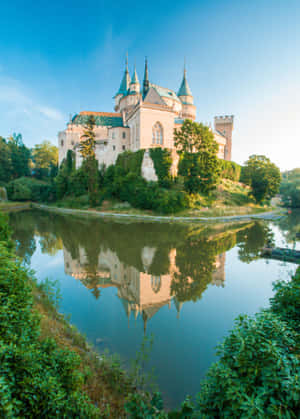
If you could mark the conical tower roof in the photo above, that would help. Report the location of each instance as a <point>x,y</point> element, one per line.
<point>184,88</point>
<point>124,86</point>
<point>135,79</point>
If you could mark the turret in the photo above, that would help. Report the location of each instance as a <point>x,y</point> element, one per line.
<point>124,86</point>
<point>224,125</point>
<point>146,83</point>
<point>135,84</point>
<point>186,98</point>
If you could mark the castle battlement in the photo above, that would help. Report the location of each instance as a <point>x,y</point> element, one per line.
<point>224,119</point>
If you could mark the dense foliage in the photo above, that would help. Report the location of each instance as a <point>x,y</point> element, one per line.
<point>14,158</point>
<point>162,161</point>
<point>37,378</point>
<point>45,159</point>
<point>29,189</point>
<point>263,176</point>
<point>200,171</point>
<point>290,188</point>
<point>257,374</point>
<point>131,162</point>
<point>140,193</point>
<point>230,170</point>
<point>199,164</point>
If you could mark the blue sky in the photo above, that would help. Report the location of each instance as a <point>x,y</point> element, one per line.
<point>60,57</point>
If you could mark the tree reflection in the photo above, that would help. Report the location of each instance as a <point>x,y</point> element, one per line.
<point>256,237</point>
<point>150,264</point>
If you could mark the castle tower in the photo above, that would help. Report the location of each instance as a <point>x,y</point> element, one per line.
<point>224,125</point>
<point>124,86</point>
<point>146,83</point>
<point>187,100</point>
<point>135,84</point>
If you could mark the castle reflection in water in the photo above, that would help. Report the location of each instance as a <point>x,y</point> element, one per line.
<point>150,264</point>
<point>141,293</point>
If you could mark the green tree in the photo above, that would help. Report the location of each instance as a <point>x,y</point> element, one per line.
<point>193,137</point>
<point>87,150</point>
<point>290,188</point>
<point>263,176</point>
<point>45,157</point>
<point>20,156</point>
<point>199,164</point>
<point>5,161</point>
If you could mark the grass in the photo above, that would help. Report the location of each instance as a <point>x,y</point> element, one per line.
<point>8,205</point>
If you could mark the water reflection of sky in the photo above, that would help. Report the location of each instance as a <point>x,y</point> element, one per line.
<point>185,332</point>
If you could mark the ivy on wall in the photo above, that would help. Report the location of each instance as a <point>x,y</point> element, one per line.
<point>162,161</point>
<point>131,161</point>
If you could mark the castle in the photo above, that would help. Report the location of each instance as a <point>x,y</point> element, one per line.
<point>145,116</point>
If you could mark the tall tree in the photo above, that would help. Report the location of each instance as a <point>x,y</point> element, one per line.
<point>5,161</point>
<point>199,164</point>
<point>90,164</point>
<point>263,176</point>
<point>20,156</point>
<point>45,157</point>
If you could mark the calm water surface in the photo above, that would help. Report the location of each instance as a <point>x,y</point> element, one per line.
<point>185,284</point>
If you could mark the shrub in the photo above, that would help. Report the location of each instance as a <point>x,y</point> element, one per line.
<point>37,378</point>
<point>25,189</point>
<point>230,170</point>
<point>286,301</point>
<point>257,374</point>
<point>201,171</point>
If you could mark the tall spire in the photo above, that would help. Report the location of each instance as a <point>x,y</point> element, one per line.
<point>146,79</point>
<point>184,88</point>
<point>124,86</point>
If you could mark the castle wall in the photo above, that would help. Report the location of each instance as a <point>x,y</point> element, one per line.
<point>148,118</point>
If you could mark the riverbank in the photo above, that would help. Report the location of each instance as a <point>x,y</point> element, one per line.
<point>47,367</point>
<point>14,206</point>
<point>274,214</point>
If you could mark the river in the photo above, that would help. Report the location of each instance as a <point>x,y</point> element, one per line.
<point>180,284</point>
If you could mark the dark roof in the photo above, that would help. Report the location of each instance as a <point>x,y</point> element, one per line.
<point>107,119</point>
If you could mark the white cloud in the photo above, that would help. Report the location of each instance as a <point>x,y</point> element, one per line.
<point>21,111</point>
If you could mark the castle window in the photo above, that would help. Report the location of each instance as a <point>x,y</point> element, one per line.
<point>155,283</point>
<point>124,135</point>
<point>157,134</point>
<point>114,147</point>
<point>113,135</point>
<point>72,142</point>
<point>123,147</point>
<point>62,142</point>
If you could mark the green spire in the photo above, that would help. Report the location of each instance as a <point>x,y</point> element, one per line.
<point>124,86</point>
<point>184,88</point>
<point>135,79</point>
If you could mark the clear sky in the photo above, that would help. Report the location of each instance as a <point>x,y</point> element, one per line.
<point>243,58</point>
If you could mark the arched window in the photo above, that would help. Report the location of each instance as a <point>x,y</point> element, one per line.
<point>157,134</point>
<point>155,283</point>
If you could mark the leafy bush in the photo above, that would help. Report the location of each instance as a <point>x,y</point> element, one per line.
<point>201,171</point>
<point>162,163</point>
<point>230,170</point>
<point>257,375</point>
<point>37,378</point>
<point>140,193</point>
<point>286,301</point>
<point>25,189</point>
